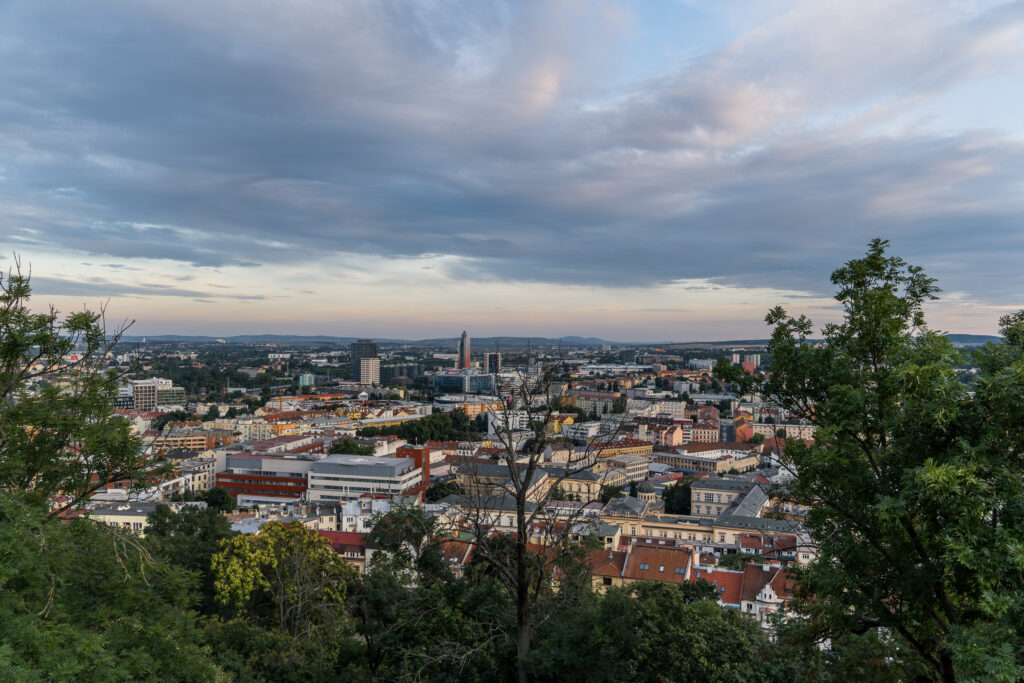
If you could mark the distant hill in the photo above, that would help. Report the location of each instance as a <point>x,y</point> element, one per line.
<point>482,344</point>
<point>973,339</point>
<point>478,343</point>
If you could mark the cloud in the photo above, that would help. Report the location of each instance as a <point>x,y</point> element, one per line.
<point>100,287</point>
<point>235,134</point>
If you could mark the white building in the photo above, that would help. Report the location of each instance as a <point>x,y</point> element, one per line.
<point>342,477</point>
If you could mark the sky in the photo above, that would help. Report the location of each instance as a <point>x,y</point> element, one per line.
<point>636,171</point>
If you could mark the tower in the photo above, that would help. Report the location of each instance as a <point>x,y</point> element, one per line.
<point>360,349</point>
<point>492,363</point>
<point>464,351</point>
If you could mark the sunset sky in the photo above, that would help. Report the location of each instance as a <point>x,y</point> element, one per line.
<point>635,171</point>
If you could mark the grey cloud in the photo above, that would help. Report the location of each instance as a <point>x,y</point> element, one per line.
<point>191,132</point>
<point>99,287</point>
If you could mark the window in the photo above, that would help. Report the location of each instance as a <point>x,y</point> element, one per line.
<point>661,568</point>
<point>709,498</point>
<point>644,566</point>
<point>606,581</point>
<point>680,570</point>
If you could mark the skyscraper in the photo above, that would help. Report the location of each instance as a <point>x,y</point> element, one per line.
<point>464,351</point>
<point>492,363</point>
<point>360,349</point>
<point>369,371</point>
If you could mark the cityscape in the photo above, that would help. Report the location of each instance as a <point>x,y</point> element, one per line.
<point>574,340</point>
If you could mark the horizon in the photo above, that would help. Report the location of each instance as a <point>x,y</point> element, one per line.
<point>651,170</point>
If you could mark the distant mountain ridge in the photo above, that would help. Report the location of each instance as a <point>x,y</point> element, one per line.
<point>483,344</point>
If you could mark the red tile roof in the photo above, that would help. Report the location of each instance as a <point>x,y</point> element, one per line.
<point>667,564</point>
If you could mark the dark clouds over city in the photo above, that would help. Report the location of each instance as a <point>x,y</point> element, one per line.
<point>580,144</point>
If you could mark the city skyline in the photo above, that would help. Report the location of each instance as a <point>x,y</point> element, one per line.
<point>653,171</point>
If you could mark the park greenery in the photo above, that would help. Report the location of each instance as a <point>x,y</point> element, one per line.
<point>453,426</point>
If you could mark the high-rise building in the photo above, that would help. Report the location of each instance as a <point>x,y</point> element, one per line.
<point>492,363</point>
<point>360,349</point>
<point>464,351</point>
<point>369,371</point>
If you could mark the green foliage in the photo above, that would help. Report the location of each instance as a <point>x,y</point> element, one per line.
<point>738,560</point>
<point>81,601</point>
<point>441,489</point>
<point>219,499</point>
<point>915,485</point>
<point>609,492</point>
<point>654,632</point>
<point>162,420</point>
<point>677,497</point>
<point>757,439</point>
<point>189,539</point>
<point>450,630</point>
<point>284,577</point>
<point>453,426</point>
<point>350,447</point>
<point>212,414</point>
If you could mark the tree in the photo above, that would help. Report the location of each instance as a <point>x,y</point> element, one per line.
<point>545,545</point>
<point>619,405</point>
<point>656,632</point>
<point>677,497</point>
<point>58,437</point>
<point>212,414</point>
<point>441,489</point>
<point>82,601</point>
<point>189,539</point>
<point>608,492</point>
<point>219,499</point>
<point>915,487</point>
<point>285,577</point>
<point>351,447</point>
<point>161,421</point>
<point>757,439</point>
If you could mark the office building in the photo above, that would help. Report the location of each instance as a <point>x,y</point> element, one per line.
<point>360,349</point>
<point>492,363</point>
<point>464,352</point>
<point>340,477</point>
<point>147,394</point>
<point>465,382</point>
<point>391,373</point>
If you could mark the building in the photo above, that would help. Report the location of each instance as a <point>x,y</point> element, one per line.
<point>463,382</point>
<point>793,431</point>
<point>710,458</point>
<point>405,371</point>
<point>597,402</point>
<point>710,497</point>
<point>199,473</point>
<point>307,380</point>
<point>464,351</point>
<point>358,350</point>
<point>369,371</point>
<point>130,515</point>
<point>253,478</point>
<point>341,477</point>
<point>148,394</point>
<point>492,363</point>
